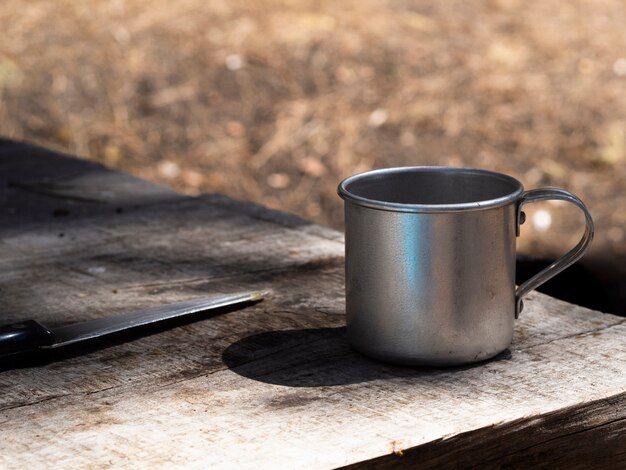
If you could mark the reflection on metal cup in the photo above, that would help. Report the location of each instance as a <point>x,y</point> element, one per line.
<point>430,262</point>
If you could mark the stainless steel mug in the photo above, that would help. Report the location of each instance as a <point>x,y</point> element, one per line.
<point>430,262</point>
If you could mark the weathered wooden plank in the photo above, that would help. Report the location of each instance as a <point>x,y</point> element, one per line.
<point>39,186</point>
<point>281,396</point>
<point>590,435</point>
<point>144,254</point>
<point>276,383</point>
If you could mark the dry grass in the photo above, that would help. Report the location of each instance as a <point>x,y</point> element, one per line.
<point>276,101</point>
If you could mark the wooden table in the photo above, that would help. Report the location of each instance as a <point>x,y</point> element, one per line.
<point>272,385</point>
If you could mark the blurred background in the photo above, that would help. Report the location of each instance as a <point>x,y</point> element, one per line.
<point>275,101</point>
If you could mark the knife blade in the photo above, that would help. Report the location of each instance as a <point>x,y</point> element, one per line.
<point>31,335</point>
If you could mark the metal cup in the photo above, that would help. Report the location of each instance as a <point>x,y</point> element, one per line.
<point>430,262</point>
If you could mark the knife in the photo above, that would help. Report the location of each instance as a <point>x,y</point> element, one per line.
<point>30,335</point>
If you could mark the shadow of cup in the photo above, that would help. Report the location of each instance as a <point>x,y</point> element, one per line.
<point>318,357</point>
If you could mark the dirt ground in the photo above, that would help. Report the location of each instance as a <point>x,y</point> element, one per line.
<point>276,101</point>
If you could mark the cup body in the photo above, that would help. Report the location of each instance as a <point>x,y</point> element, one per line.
<point>430,263</point>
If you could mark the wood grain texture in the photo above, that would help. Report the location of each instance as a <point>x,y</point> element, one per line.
<point>275,384</point>
<point>589,435</point>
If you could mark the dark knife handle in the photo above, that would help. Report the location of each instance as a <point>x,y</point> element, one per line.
<point>24,336</point>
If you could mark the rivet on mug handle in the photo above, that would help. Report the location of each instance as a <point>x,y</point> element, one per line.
<point>569,258</point>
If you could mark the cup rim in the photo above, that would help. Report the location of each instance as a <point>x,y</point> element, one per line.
<point>346,195</point>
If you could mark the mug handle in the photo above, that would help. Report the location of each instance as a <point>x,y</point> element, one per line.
<point>569,258</point>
